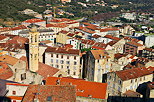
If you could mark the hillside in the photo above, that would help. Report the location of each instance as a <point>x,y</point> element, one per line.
<point>11,8</point>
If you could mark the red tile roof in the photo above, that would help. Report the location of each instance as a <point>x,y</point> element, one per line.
<point>133,73</point>
<point>15,97</point>
<point>134,44</point>
<point>59,25</point>
<point>111,37</point>
<point>19,27</point>
<point>119,55</point>
<point>63,31</point>
<point>111,43</point>
<point>2,37</point>
<point>131,39</point>
<point>63,50</point>
<point>58,93</point>
<point>8,59</point>
<point>96,36</point>
<point>34,20</point>
<point>98,54</point>
<point>109,29</point>
<point>44,70</point>
<point>84,88</point>
<point>149,49</point>
<point>85,29</point>
<point>61,20</point>
<point>5,71</point>
<point>17,84</point>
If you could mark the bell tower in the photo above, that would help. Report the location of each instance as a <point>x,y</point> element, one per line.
<point>33,49</point>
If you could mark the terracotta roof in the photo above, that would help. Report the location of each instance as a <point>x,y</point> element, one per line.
<point>85,29</point>
<point>88,24</point>
<point>46,41</point>
<point>5,29</point>
<point>20,39</point>
<point>96,36</point>
<point>149,49</point>
<point>34,20</point>
<point>46,70</point>
<point>98,54</point>
<point>89,42</point>
<point>134,44</point>
<point>92,27</point>
<point>133,73</point>
<point>67,46</point>
<point>59,25</point>
<point>57,93</point>
<point>111,37</point>
<point>5,71</point>
<point>99,46</point>
<point>111,43</point>
<point>63,50</point>
<point>119,55</point>
<point>15,97</point>
<point>17,84</point>
<point>131,93</point>
<point>83,88</point>
<point>9,60</point>
<point>19,27</point>
<point>2,37</point>
<point>61,20</point>
<point>108,29</point>
<point>70,34</point>
<point>131,39</point>
<point>63,31</point>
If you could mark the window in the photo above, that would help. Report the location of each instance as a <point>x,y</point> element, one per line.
<point>74,73</point>
<point>61,56</point>
<point>23,76</point>
<point>35,38</point>
<point>119,81</point>
<point>67,57</point>
<point>57,66</point>
<point>68,71</point>
<point>35,56</point>
<point>57,56</point>
<point>61,62</point>
<point>67,67</point>
<point>135,80</point>
<point>141,79</point>
<point>61,66</point>
<point>75,63</point>
<point>14,92</point>
<point>131,81</point>
<point>51,60</point>
<point>51,55</point>
<point>144,77</point>
<point>98,61</point>
<point>74,57</point>
<point>67,62</point>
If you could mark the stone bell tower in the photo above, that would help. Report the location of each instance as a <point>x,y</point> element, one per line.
<point>33,49</point>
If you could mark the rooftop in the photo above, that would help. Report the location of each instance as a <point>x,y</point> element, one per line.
<point>133,73</point>
<point>63,50</point>
<point>99,54</point>
<point>83,88</point>
<point>55,93</point>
